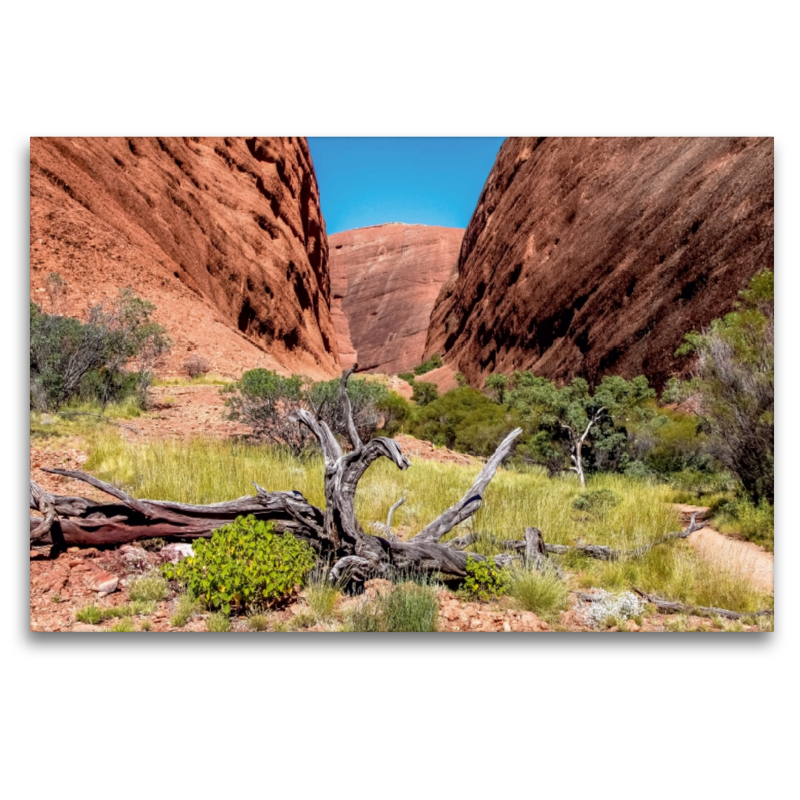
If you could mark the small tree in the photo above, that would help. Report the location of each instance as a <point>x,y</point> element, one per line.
<point>68,356</point>
<point>569,417</point>
<point>736,385</point>
<point>265,400</point>
<point>496,385</point>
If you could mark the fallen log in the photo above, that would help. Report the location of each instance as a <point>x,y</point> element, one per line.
<point>673,607</point>
<point>335,532</point>
<point>604,553</point>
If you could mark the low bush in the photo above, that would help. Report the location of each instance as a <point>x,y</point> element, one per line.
<point>195,366</point>
<point>595,500</point>
<point>485,580</point>
<point>463,419</point>
<point>756,523</point>
<point>434,362</point>
<point>424,393</point>
<point>244,566</point>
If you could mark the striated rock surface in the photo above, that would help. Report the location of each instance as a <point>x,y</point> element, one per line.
<point>588,256</point>
<point>225,236</point>
<point>384,281</point>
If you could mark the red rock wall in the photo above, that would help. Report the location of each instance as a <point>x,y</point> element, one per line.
<point>384,281</point>
<point>225,236</point>
<point>588,256</point>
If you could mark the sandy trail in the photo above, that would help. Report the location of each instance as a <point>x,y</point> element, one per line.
<point>737,556</point>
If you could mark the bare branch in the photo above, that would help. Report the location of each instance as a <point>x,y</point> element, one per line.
<point>472,500</point>
<point>388,530</point>
<point>347,409</point>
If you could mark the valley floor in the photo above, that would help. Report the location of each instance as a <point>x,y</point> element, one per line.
<point>60,587</point>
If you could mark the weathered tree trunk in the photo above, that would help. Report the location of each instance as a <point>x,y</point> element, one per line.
<point>335,533</point>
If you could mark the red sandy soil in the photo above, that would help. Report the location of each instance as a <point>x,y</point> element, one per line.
<point>733,555</point>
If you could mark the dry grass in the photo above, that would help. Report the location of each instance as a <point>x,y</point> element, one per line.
<point>206,471</point>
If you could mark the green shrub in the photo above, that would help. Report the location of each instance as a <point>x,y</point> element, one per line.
<point>463,419</point>
<point>596,500</point>
<point>485,580</point>
<point>218,623</point>
<point>69,358</point>
<point>543,593</point>
<point>396,411</point>
<point>407,608</point>
<point>424,392</point>
<point>264,400</point>
<point>244,566</point>
<point>148,588</point>
<point>408,377</point>
<point>434,362</point>
<point>755,522</point>
<point>125,625</point>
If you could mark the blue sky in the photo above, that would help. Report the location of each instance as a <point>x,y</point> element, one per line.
<point>429,180</point>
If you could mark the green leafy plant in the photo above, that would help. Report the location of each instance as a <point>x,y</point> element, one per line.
<point>485,580</point>
<point>244,566</point>
<point>408,377</point>
<point>125,625</point>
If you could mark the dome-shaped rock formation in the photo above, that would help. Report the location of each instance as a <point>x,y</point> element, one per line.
<point>384,282</point>
<point>225,236</point>
<point>590,256</point>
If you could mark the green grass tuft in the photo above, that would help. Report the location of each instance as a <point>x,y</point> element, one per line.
<point>151,588</point>
<point>218,623</point>
<point>184,610</point>
<point>543,593</point>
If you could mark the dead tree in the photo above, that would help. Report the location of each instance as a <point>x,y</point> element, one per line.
<point>335,533</point>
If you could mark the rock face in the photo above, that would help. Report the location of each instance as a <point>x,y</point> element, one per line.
<point>593,256</point>
<point>384,282</point>
<point>225,236</point>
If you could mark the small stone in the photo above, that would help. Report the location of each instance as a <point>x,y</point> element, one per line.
<point>176,552</point>
<point>104,582</point>
<point>506,626</point>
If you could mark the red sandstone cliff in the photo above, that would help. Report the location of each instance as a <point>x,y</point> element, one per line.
<point>384,282</point>
<point>225,236</point>
<point>588,256</point>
